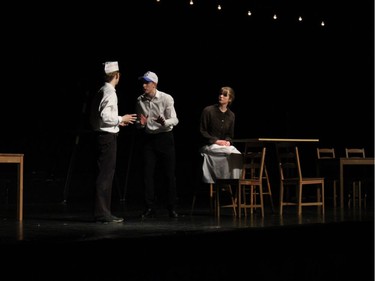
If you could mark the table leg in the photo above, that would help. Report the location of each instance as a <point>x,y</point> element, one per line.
<point>20,191</point>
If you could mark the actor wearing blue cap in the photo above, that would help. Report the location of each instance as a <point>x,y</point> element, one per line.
<point>157,118</point>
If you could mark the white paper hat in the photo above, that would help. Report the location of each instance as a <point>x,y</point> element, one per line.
<point>150,77</point>
<point>111,66</point>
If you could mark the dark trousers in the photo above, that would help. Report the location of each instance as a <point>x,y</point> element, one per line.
<point>106,164</point>
<point>159,151</point>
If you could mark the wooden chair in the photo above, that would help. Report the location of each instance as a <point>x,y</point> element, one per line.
<point>291,178</point>
<point>356,194</point>
<point>221,168</point>
<point>216,202</point>
<point>221,195</point>
<point>327,167</point>
<point>250,185</point>
<point>220,188</point>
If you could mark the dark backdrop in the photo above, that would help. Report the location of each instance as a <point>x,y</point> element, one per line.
<point>292,79</point>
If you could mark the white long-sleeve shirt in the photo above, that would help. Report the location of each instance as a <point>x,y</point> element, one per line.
<point>162,104</point>
<point>104,110</point>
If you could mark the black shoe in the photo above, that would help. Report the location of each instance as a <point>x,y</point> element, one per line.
<point>109,219</point>
<point>148,213</point>
<point>173,214</point>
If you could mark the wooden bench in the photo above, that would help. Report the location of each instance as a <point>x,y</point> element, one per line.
<point>16,159</point>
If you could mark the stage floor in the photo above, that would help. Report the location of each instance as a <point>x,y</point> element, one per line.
<point>74,222</point>
<point>62,242</point>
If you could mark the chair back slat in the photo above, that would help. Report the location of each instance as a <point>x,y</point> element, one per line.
<point>325,153</point>
<point>355,153</point>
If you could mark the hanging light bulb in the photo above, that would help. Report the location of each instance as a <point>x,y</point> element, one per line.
<point>274,16</point>
<point>191,2</point>
<point>300,18</point>
<point>219,7</point>
<point>249,13</point>
<point>322,23</point>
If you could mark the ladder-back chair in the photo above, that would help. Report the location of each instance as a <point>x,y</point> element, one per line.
<point>291,178</point>
<point>250,185</point>
<point>328,167</point>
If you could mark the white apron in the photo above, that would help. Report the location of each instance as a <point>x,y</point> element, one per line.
<point>220,162</point>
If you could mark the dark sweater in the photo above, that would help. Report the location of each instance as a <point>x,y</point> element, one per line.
<point>215,125</point>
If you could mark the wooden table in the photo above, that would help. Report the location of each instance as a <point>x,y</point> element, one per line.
<point>275,140</point>
<point>351,161</point>
<point>16,159</point>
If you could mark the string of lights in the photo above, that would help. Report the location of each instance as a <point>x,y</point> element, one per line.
<point>273,12</point>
